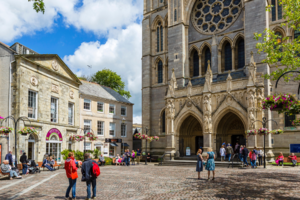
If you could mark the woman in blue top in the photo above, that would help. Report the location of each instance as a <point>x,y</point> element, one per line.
<point>199,167</point>
<point>210,166</point>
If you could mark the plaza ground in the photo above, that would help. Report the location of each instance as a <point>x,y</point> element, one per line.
<point>162,182</point>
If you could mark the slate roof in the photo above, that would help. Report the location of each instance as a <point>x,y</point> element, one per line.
<point>219,78</point>
<point>96,90</point>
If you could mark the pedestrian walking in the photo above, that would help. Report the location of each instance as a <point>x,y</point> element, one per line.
<point>71,172</point>
<point>253,158</point>
<point>87,176</point>
<point>127,157</point>
<point>229,151</point>
<point>240,153</point>
<point>9,158</point>
<point>24,162</point>
<point>236,148</point>
<point>138,156</point>
<point>210,166</point>
<point>223,153</point>
<point>260,154</point>
<point>199,167</point>
<point>245,153</point>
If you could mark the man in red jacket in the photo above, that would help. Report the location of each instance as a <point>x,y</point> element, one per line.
<point>71,171</point>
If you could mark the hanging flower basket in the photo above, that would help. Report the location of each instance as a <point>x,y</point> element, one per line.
<point>5,130</point>
<point>93,138</point>
<point>251,132</point>
<point>149,139</point>
<point>76,138</point>
<point>1,117</point>
<point>144,136</point>
<point>277,132</point>
<point>137,136</point>
<point>155,138</point>
<point>263,131</point>
<point>28,131</point>
<point>281,103</point>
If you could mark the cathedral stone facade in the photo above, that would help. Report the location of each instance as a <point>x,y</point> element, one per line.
<point>201,75</point>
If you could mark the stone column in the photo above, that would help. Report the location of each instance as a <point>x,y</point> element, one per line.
<point>200,64</point>
<point>170,136</point>
<point>214,56</point>
<point>233,58</point>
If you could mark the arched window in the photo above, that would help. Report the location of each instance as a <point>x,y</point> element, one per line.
<point>276,10</point>
<point>207,58</point>
<point>195,64</point>
<point>227,57</point>
<point>159,37</point>
<point>241,54</point>
<point>297,34</point>
<point>175,15</point>
<point>160,72</point>
<point>163,122</point>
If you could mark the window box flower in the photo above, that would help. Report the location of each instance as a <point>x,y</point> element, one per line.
<point>277,132</point>
<point>155,138</point>
<point>5,130</point>
<point>28,131</point>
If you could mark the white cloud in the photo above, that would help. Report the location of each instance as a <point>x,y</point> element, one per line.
<point>121,53</point>
<point>98,16</point>
<point>137,120</point>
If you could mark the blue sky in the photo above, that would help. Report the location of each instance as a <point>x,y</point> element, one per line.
<point>101,33</point>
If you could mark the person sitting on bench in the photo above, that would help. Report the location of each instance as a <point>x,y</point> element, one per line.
<point>6,168</point>
<point>46,163</point>
<point>149,157</point>
<point>294,159</point>
<point>101,160</point>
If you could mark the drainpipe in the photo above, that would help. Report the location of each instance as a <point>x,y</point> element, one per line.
<point>9,101</point>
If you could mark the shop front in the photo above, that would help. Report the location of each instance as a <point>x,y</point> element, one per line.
<point>54,144</point>
<point>112,148</point>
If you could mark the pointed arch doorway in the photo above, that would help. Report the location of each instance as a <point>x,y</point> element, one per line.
<point>190,136</point>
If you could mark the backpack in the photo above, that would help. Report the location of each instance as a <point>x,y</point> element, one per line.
<point>95,170</point>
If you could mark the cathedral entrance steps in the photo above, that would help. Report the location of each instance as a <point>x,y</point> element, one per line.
<point>193,163</point>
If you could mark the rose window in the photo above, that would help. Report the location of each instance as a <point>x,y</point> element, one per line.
<point>214,16</point>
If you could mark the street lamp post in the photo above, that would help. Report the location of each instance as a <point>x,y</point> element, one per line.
<point>84,136</point>
<point>264,123</point>
<point>16,121</point>
<point>146,146</point>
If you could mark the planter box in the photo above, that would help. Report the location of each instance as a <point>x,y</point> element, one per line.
<point>24,134</point>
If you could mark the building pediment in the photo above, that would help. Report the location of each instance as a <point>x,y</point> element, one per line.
<point>189,104</point>
<point>53,63</point>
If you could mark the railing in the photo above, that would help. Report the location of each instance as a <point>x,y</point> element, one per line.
<point>163,156</point>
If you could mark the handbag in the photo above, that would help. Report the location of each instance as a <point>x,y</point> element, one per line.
<point>73,175</point>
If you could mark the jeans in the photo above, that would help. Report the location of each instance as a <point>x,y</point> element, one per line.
<point>24,170</point>
<point>260,160</point>
<point>245,160</point>
<point>128,161</point>
<point>88,184</point>
<point>241,157</point>
<point>12,173</point>
<point>229,157</point>
<point>48,167</point>
<point>138,158</point>
<point>72,184</point>
<point>280,162</point>
<point>253,163</point>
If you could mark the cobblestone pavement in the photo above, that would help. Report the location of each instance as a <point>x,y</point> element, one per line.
<point>163,182</point>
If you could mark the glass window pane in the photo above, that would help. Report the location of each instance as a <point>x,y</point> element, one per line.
<point>123,111</point>
<point>157,40</point>
<point>112,129</point>
<point>228,57</point>
<point>241,54</point>
<point>111,109</point>
<point>100,107</point>
<point>196,64</point>
<point>71,113</point>
<point>123,130</point>
<point>54,102</point>
<point>160,71</point>
<point>273,10</point>
<point>32,108</point>
<point>279,6</point>
<point>87,104</point>
<point>100,127</point>
<point>161,39</point>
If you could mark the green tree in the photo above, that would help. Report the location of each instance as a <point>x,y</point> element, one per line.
<point>38,5</point>
<point>111,79</point>
<point>279,51</point>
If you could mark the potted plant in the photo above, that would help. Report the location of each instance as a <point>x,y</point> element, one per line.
<point>28,131</point>
<point>277,132</point>
<point>251,132</point>
<point>5,130</point>
<point>296,123</point>
<point>263,131</point>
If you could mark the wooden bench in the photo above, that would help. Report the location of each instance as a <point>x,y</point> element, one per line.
<point>289,160</point>
<point>4,174</point>
<point>55,165</point>
<point>153,158</point>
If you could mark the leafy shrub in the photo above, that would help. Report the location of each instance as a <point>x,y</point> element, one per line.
<point>108,161</point>
<point>96,153</point>
<point>65,154</point>
<point>79,155</point>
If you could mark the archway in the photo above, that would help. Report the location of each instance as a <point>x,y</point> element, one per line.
<point>31,147</point>
<point>190,136</point>
<point>230,130</point>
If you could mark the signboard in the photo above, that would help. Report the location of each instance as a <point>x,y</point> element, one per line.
<point>54,131</point>
<point>113,140</point>
<point>188,151</point>
<point>294,148</point>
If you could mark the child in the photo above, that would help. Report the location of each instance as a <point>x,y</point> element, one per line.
<point>253,159</point>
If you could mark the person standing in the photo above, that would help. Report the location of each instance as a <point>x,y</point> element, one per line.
<point>132,157</point>
<point>253,159</point>
<point>223,153</point>
<point>229,151</point>
<point>71,171</point>
<point>245,153</point>
<point>260,154</point>
<point>240,153</point>
<point>87,175</point>
<point>210,166</point>
<point>9,158</point>
<point>24,162</point>
<point>138,156</point>
<point>128,157</point>
<point>199,167</point>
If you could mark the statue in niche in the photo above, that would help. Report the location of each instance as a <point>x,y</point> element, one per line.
<point>252,71</point>
<point>207,104</point>
<point>189,89</point>
<point>229,82</point>
<point>171,109</point>
<point>251,99</point>
<point>252,119</point>
<point>207,124</point>
<point>208,79</point>
<point>259,99</point>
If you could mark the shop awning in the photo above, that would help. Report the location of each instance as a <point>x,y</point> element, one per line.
<point>98,145</point>
<point>125,145</point>
<point>113,144</point>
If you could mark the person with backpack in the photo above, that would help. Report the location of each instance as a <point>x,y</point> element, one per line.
<point>71,171</point>
<point>90,171</point>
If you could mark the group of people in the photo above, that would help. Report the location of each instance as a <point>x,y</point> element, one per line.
<point>88,175</point>
<point>209,163</point>
<point>280,159</point>
<point>133,157</point>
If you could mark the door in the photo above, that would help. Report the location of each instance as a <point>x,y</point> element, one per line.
<point>237,139</point>
<point>181,147</point>
<point>30,150</point>
<point>199,143</point>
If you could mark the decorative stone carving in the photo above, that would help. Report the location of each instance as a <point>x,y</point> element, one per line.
<point>172,85</point>
<point>207,113</point>
<point>34,81</point>
<point>171,108</point>
<point>54,88</point>
<point>229,82</point>
<point>208,79</point>
<point>189,89</point>
<point>252,71</point>
<point>207,104</point>
<point>207,124</point>
<point>252,119</point>
<point>72,94</point>
<point>251,99</point>
<point>259,99</point>
<point>189,103</point>
<point>55,65</point>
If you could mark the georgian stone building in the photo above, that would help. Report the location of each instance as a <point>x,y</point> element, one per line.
<point>42,88</point>
<point>202,84</point>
